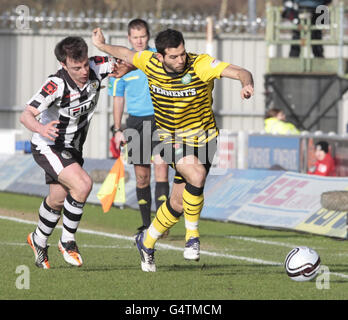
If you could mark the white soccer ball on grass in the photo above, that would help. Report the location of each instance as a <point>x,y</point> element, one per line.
<point>302,264</point>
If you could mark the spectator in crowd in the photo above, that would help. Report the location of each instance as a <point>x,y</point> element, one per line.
<point>325,164</point>
<point>291,12</point>
<point>275,123</point>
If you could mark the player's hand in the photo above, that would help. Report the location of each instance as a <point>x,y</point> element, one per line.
<point>247,91</point>
<point>120,68</point>
<point>119,139</point>
<point>98,38</point>
<point>49,130</point>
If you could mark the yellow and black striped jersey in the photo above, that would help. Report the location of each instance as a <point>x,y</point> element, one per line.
<point>183,101</point>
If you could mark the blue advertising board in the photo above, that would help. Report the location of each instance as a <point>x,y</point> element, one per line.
<point>265,151</point>
<point>224,194</point>
<point>259,197</point>
<point>293,201</point>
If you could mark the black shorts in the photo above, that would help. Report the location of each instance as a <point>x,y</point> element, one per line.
<point>53,160</point>
<point>171,153</point>
<point>141,139</point>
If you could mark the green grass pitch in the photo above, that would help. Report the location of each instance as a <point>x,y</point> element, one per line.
<point>237,262</point>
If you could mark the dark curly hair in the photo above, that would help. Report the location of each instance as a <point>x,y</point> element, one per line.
<point>73,47</point>
<point>168,39</point>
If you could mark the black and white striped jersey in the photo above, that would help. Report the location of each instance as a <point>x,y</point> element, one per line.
<point>61,99</point>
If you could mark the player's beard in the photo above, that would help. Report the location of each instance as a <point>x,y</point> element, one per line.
<point>172,68</point>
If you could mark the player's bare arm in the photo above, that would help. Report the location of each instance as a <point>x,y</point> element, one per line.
<point>120,68</point>
<point>120,52</point>
<point>28,119</point>
<point>118,113</point>
<point>244,76</point>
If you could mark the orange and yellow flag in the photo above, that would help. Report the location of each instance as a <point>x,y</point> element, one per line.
<point>113,189</point>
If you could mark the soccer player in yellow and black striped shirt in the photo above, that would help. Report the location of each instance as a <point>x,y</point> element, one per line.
<point>181,87</point>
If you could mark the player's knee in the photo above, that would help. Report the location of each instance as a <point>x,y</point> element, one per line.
<point>143,180</point>
<point>88,183</point>
<point>161,172</point>
<point>82,188</point>
<point>197,176</point>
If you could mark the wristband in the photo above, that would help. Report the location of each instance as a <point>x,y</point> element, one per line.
<point>116,130</point>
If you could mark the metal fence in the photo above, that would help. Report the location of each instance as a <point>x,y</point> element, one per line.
<point>23,18</point>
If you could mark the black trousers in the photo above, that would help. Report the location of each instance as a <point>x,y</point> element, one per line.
<point>318,50</point>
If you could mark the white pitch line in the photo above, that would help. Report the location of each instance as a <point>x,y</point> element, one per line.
<point>159,245</point>
<point>275,243</point>
<point>222,255</point>
<point>339,275</point>
<point>19,244</point>
<point>170,247</point>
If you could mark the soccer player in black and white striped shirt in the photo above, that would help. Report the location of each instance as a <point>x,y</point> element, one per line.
<point>65,105</point>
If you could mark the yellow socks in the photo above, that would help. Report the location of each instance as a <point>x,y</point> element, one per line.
<point>165,218</point>
<point>193,200</point>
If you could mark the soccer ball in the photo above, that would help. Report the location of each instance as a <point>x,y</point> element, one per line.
<point>302,264</point>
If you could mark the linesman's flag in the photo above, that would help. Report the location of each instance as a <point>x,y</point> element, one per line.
<point>112,189</point>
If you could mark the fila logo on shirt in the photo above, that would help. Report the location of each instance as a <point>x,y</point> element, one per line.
<point>81,109</point>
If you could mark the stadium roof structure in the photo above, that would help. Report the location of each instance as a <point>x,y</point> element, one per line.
<point>324,80</point>
<point>278,34</point>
